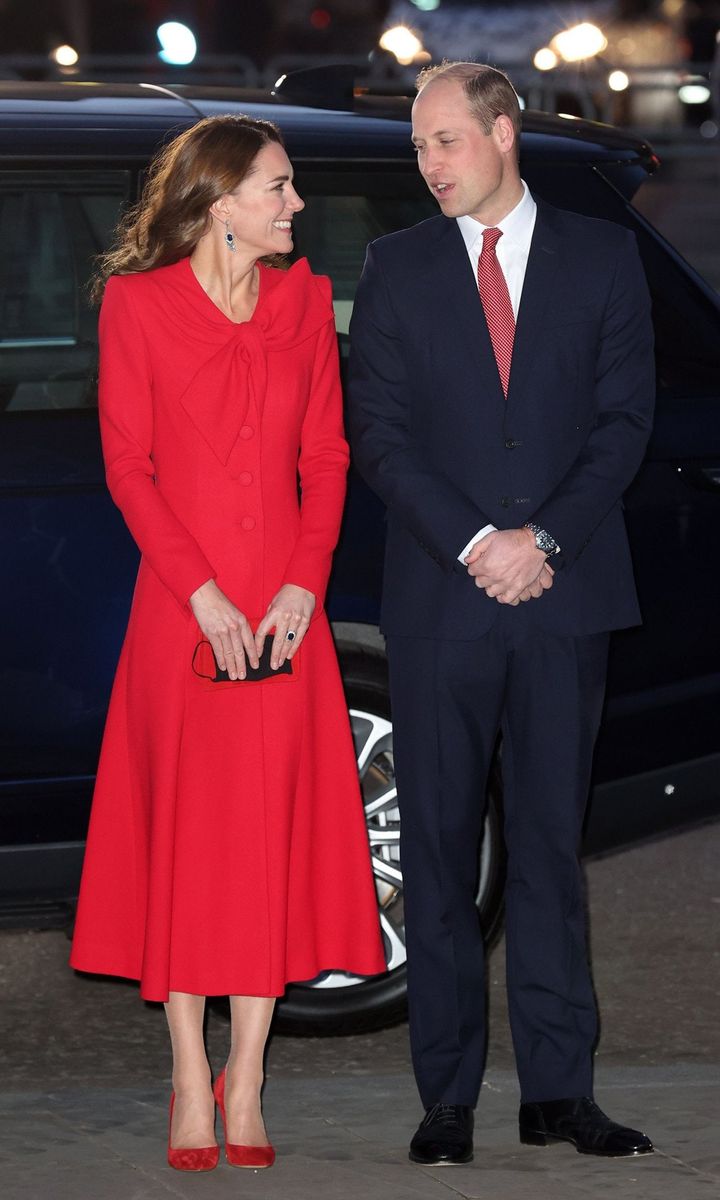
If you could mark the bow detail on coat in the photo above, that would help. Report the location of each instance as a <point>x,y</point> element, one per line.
<point>292,306</point>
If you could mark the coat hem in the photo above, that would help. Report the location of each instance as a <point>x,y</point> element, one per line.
<point>156,994</point>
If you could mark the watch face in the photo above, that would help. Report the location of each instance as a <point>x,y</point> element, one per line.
<point>543,540</point>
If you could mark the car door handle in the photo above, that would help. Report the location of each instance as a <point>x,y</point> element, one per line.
<point>706,479</point>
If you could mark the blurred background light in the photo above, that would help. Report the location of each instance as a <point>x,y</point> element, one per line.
<point>401,42</point>
<point>694,93</point>
<point>426,5</point>
<point>320,18</point>
<point>579,42</point>
<point>65,56</point>
<point>179,46</point>
<point>618,81</point>
<point>545,59</point>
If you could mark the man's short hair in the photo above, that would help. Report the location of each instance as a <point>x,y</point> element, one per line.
<point>489,92</point>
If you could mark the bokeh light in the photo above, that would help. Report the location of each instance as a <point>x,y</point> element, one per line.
<point>694,93</point>
<point>178,42</point>
<point>618,81</point>
<point>545,59</point>
<point>65,56</point>
<point>580,42</point>
<point>320,18</point>
<point>403,43</point>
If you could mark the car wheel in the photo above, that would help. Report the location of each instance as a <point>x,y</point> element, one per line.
<point>337,1002</point>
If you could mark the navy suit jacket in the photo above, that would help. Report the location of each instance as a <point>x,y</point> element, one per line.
<point>434,436</point>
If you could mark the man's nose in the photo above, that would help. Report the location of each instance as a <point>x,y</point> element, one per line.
<point>432,162</point>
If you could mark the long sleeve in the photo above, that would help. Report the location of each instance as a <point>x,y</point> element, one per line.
<point>624,401</point>
<point>323,464</point>
<point>126,426</point>
<point>428,503</point>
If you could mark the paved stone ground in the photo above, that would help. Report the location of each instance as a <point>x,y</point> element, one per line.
<point>86,1063</point>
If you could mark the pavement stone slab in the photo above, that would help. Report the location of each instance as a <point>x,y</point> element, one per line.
<point>346,1139</point>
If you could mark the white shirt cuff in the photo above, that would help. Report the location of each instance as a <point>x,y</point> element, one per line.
<point>486,529</point>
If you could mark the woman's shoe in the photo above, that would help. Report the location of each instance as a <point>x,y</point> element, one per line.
<point>241,1156</point>
<point>204,1159</point>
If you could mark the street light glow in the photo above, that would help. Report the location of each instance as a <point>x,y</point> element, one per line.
<point>545,59</point>
<point>401,42</point>
<point>179,46</point>
<point>580,42</point>
<point>65,56</point>
<point>694,93</point>
<point>618,81</point>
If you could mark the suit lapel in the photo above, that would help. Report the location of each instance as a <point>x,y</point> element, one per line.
<point>457,298</point>
<point>457,303</point>
<point>540,283</point>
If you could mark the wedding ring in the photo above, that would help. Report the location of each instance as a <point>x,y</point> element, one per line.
<point>290,635</point>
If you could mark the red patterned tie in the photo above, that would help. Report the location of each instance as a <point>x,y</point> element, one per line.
<point>496,304</point>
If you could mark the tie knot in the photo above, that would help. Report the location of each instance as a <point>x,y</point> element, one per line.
<point>491,237</point>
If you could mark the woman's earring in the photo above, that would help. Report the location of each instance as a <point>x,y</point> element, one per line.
<point>229,238</point>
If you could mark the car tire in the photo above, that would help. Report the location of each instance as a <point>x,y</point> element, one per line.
<point>340,1004</point>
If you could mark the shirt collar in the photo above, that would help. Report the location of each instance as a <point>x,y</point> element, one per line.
<point>517,226</point>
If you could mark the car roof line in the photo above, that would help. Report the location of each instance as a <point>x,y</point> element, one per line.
<point>166,91</point>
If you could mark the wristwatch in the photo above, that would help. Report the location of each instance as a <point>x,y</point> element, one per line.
<point>543,540</point>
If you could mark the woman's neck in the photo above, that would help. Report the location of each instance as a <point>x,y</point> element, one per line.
<point>230,280</point>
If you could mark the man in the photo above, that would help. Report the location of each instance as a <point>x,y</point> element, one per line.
<point>501,395</point>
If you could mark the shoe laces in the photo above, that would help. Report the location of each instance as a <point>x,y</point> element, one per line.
<point>442,1114</point>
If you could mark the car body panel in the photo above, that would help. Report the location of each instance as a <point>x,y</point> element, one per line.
<point>72,562</point>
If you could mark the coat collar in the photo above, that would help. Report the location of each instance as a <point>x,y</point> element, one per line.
<point>231,378</point>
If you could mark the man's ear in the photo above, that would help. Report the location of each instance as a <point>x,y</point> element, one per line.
<point>504,133</point>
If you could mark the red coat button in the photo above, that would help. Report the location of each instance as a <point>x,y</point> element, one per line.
<point>247,432</point>
<point>247,523</point>
<point>245,478</point>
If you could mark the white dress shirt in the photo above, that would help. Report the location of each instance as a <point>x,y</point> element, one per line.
<point>513,249</point>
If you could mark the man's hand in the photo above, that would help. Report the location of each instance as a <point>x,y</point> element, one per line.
<point>508,566</point>
<point>541,584</point>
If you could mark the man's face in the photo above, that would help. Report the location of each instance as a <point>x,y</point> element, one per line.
<point>470,173</point>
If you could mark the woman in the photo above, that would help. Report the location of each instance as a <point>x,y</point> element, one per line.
<point>227,852</point>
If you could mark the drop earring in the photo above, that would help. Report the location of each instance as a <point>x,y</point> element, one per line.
<point>229,238</point>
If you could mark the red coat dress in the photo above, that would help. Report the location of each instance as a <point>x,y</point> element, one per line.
<point>227,851</point>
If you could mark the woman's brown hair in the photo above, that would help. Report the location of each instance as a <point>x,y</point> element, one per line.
<point>184,180</point>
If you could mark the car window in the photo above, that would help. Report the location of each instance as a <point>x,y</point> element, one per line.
<point>345,211</point>
<point>685,313</point>
<point>52,225</point>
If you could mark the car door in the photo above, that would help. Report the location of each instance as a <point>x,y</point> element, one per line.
<point>663,694</point>
<point>68,563</point>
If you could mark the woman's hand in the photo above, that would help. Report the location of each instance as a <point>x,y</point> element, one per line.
<point>226,628</point>
<point>289,612</point>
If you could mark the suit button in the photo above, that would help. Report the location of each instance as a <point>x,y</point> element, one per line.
<point>245,478</point>
<point>247,524</point>
<point>505,501</point>
<point>509,444</point>
<point>246,432</point>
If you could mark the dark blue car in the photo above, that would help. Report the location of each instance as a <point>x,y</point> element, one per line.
<point>72,156</point>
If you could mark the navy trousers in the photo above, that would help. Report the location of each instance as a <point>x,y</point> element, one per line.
<point>449,700</point>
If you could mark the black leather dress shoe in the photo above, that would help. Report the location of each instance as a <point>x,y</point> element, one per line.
<point>582,1123</point>
<point>444,1136</point>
